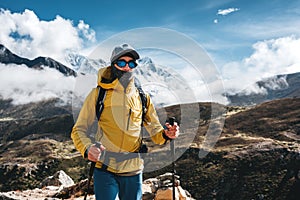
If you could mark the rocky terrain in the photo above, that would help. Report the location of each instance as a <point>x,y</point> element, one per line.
<point>257,155</point>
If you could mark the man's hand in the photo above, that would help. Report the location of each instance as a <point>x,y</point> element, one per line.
<point>171,132</point>
<point>94,152</point>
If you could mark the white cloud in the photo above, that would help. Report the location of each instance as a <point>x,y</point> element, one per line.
<point>86,31</point>
<point>25,85</point>
<point>270,58</point>
<point>227,11</point>
<point>28,36</point>
<point>275,56</point>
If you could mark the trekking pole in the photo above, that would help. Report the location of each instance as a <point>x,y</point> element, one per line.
<point>172,145</point>
<point>93,164</point>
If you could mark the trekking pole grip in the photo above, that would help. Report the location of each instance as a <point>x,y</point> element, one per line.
<point>98,144</point>
<point>93,164</point>
<point>172,120</point>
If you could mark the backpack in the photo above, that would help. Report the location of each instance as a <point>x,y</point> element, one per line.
<point>100,107</point>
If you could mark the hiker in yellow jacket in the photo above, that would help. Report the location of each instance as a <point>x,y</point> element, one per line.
<point>118,164</point>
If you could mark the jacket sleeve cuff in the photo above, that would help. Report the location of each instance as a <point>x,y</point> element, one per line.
<point>86,153</point>
<point>166,137</point>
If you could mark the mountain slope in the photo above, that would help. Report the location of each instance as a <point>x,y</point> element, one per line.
<point>277,119</point>
<point>7,57</point>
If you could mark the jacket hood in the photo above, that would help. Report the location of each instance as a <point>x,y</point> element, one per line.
<point>105,74</point>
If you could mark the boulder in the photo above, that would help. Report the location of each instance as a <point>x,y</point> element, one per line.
<point>60,179</point>
<point>162,188</point>
<point>166,194</point>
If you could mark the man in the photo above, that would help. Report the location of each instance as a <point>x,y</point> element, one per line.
<point>119,167</point>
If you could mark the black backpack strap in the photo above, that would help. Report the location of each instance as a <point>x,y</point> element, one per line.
<point>100,101</point>
<point>101,97</point>
<point>143,147</point>
<point>143,98</point>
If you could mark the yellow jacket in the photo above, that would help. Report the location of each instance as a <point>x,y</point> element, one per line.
<point>119,125</point>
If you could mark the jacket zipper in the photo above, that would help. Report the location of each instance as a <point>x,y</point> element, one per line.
<point>128,120</point>
<point>123,135</point>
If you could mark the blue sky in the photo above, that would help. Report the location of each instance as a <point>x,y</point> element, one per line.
<point>229,39</point>
<point>247,40</point>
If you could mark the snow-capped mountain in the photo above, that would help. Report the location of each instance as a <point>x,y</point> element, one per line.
<point>82,64</point>
<point>165,85</point>
<point>21,81</point>
<point>276,87</point>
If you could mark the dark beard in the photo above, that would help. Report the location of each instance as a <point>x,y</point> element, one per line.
<point>124,77</point>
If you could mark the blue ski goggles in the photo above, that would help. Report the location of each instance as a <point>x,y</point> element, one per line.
<point>122,63</point>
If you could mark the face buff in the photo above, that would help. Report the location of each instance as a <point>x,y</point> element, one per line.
<point>123,76</point>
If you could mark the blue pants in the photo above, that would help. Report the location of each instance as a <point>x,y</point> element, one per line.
<point>108,185</point>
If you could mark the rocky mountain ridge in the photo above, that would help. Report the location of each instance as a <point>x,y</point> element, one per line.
<point>83,64</point>
<point>7,57</point>
<point>277,87</point>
